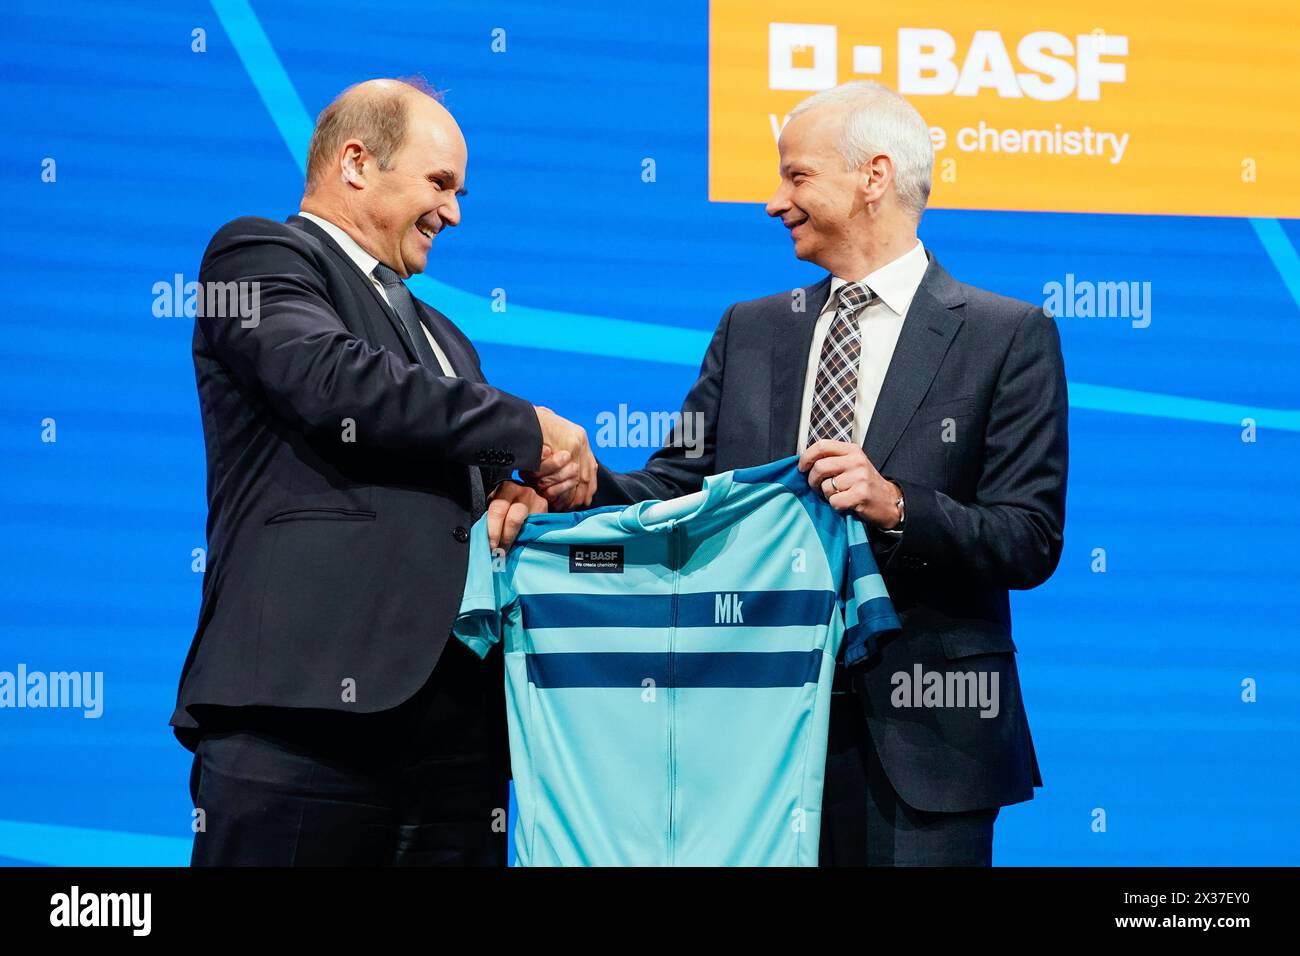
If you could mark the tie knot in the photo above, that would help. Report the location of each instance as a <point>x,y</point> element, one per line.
<point>854,295</point>
<point>385,275</point>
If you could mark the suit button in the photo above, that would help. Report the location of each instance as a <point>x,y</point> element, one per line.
<point>460,534</point>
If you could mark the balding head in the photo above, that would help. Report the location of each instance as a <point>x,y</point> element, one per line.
<point>374,112</point>
<point>386,163</point>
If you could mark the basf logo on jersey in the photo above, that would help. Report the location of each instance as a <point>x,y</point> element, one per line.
<point>1029,108</point>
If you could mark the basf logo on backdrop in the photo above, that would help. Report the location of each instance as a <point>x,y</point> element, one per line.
<point>1028,110</point>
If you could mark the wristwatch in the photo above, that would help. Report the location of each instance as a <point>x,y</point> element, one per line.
<point>902,514</point>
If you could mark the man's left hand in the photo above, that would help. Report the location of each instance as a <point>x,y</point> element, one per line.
<point>849,481</point>
<point>558,479</point>
<point>511,503</point>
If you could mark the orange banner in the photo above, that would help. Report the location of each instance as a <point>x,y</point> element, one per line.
<point>1106,107</point>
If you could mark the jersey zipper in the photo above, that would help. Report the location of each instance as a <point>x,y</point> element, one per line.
<point>672,699</point>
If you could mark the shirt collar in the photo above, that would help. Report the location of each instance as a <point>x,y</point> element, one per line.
<point>364,260</point>
<point>677,511</point>
<point>895,282</point>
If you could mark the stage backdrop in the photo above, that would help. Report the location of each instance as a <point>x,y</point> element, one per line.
<point>1136,173</point>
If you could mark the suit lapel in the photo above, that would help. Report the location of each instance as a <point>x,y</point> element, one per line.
<point>438,324</point>
<point>362,279</point>
<point>792,335</point>
<point>463,366</point>
<point>927,333</point>
<point>462,363</point>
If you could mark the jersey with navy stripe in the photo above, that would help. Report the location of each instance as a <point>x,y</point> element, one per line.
<point>669,668</point>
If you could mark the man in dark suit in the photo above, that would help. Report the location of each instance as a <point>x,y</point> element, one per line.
<point>351,442</point>
<point>936,413</point>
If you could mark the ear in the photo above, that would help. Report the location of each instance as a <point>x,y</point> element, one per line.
<point>877,173</point>
<point>355,164</point>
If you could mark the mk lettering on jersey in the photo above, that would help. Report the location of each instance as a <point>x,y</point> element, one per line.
<point>726,609</point>
<point>687,696</point>
<point>607,559</point>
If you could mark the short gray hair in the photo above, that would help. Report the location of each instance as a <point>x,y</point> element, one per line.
<point>881,121</point>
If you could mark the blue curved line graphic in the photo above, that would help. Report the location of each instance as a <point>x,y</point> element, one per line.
<point>49,844</point>
<point>1281,252</point>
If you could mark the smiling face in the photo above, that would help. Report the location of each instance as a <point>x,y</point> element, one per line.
<point>403,207</point>
<point>818,199</point>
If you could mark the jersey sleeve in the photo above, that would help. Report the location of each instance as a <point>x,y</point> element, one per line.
<point>868,612</point>
<point>478,622</point>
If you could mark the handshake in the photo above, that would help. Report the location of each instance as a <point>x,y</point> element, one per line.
<point>566,477</point>
<point>565,480</point>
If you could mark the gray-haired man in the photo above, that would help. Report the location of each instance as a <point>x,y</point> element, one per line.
<point>936,413</point>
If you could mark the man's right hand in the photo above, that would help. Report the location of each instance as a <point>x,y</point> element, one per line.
<point>562,436</point>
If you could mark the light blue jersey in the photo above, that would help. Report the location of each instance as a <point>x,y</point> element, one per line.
<point>668,670</point>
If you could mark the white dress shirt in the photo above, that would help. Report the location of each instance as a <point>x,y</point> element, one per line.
<point>366,263</point>
<point>879,323</point>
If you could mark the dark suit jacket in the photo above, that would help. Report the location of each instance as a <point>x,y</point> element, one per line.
<point>985,511</point>
<point>329,559</point>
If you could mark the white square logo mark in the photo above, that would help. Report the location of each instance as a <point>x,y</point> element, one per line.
<point>801,56</point>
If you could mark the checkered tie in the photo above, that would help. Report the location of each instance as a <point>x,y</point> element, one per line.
<point>835,393</point>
